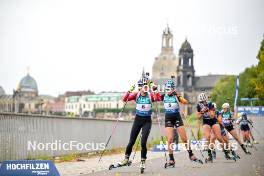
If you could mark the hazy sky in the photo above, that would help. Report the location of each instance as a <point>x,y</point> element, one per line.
<point>104,44</point>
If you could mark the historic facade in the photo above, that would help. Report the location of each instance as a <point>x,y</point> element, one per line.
<point>25,99</point>
<point>182,67</point>
<point>166,62</point>
<point>84,105</point>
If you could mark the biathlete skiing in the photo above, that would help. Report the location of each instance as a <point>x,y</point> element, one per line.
<point>244,123</point>
<point>171,100</point>
<point>206,112</point>
<point>142,121</point>
<point>224,136</point>
<point>226,119</point>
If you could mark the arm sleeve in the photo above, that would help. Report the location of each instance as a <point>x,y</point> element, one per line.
<point>182,100</point>
<point>156,97</point>
<point>130,96</point>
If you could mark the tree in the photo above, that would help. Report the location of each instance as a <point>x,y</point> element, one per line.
<point>251,84</point>
<point>258,81</point>
<point>224,91</point>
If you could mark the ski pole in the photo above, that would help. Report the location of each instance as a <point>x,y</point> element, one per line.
<point>157,114</point>
<point>113,130</point>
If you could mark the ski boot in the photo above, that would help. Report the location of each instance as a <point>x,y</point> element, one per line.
<point>171,162</point>
<point>227,155</point>
<point>249,144</point>
<point>124,162</point>
<point>245,149</point>
<point>194,159</point>
<point>214,154</point>
<point>235,154</point>
<point>209,158</point>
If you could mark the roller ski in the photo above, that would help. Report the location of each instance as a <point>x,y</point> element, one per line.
<point>228,157</point>
<point>245,149</point>
<point>195,160</point>
<point>171,163</point>
<point>249,145</point>
<point>209,159</point>
<point>142,166</point>
<point>125,162</point>
<point>235,154</point>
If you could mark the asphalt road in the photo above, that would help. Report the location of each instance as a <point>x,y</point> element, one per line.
<point>248,165</point>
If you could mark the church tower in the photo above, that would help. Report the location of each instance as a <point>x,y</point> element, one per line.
<point>185,69</point>
<point>166,63</point>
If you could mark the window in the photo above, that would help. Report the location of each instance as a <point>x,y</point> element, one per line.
<point>189,80</point>
<point>190,62</point>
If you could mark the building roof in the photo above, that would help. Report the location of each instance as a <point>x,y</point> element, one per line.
<point>6,98</point>
<point>104,96</point>
<point>208,81</point>
<point>2,91</point>
<point>28,84</point>
<point>186,46</point>
<point>78,93</point>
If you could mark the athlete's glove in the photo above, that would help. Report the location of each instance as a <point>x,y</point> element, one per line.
<point>132,88</point>
<point>204,109</point>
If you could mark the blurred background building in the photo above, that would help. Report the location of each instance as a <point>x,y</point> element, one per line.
<point>181,66</point>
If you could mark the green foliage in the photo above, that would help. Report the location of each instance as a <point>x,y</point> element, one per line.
<point>192,120</point>
<point>224,91</point>
<point>251,85</point>
<point>258,81</point>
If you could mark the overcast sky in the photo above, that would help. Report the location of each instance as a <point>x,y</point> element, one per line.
<point>104,44</point>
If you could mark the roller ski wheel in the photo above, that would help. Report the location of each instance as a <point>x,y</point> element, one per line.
<point>113,166</point>
<point>169,164</point>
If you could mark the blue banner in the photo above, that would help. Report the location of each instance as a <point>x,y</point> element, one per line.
<point>236,94</point>
<point>28,168</point>
<point>256,110</point>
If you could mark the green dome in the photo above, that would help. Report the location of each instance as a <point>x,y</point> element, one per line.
<point>186,46</point>
<point>28,84</point>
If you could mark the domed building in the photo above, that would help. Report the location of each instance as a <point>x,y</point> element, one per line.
<point>28,86</point>
<point>26,98</point>
<point>2,91</point>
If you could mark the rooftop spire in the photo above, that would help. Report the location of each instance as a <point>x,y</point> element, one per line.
<point>28,68</point>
